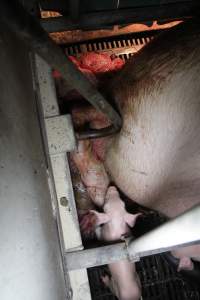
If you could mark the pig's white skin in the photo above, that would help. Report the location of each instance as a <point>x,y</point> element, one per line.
<point>124,283</point>
<point>115,223</point>
<point>115,219</point>
<point>185,263</point>
<point>184,255</point>
<point>92,172</point>
<point>184,251</point>
<point>155,159</point>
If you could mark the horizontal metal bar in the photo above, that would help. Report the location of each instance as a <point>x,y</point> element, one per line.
<point>29,30</point>
<point>183,230</point>
<point>101,19</point>
<point>179,232</point>
<point>95,133</point>
<point>96,256</point>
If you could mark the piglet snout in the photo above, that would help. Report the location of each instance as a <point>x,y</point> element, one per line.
<point>112,191</point>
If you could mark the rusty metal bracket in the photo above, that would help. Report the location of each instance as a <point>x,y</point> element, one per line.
<point>95,133</point>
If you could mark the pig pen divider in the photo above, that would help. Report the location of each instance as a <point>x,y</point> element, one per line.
<point>63,199</point>
<point>58,136</point>
<point>58,139</point>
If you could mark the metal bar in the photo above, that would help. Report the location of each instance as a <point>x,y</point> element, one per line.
<point>181,231</point>
<point>32,6</point>
<point>97,20</point>
<point>29,30</point>
<point>96,256</point>
<point>95,133</point>
<point>59,173</point>
<point>74,10</point>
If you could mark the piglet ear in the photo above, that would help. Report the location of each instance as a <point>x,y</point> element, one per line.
<point>130,219</point>
<point>101,218</point>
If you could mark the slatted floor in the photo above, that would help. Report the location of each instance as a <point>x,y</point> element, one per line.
<point>122,46</point>
<point>159,282</point>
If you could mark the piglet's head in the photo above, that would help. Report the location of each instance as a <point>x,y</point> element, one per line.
<point>115,222</point>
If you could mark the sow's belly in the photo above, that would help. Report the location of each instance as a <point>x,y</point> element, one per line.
<point>155,159</point>
<point>148,183</point>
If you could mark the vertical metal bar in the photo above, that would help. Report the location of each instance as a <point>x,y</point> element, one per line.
<point>74,10</point>
<point>56,147</point>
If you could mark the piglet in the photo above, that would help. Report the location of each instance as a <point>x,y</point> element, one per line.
<point>113,225</point>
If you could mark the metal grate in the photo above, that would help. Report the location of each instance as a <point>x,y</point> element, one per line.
<point>123,46</point>
<point>159,282</point>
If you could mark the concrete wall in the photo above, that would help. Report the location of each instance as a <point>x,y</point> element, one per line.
<point>30,260</point>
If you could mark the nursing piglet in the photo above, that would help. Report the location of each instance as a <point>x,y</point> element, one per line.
<point>115,225</point>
